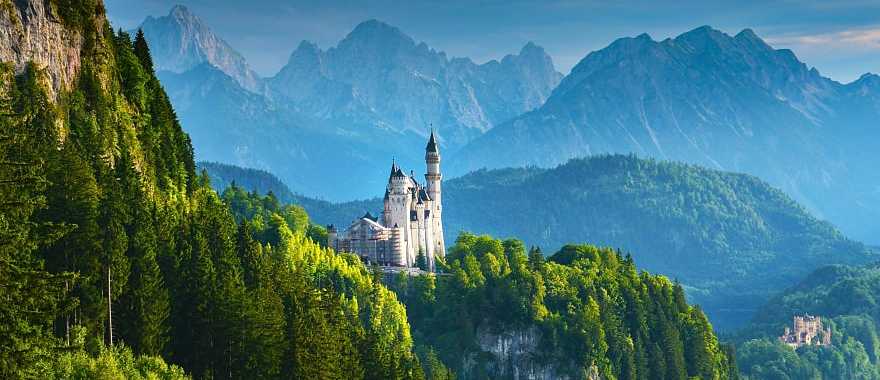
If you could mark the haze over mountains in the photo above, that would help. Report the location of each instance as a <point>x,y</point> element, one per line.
<point>725,102</point>
<point>329,121</point>
<point>375,95</point>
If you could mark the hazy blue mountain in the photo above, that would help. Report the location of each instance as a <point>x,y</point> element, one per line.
<point>330,121</point>
<point>230,124</point>
<point>378,77</point>
<point>731,239</point>
<point>704,97</point>
<point>180,41</point>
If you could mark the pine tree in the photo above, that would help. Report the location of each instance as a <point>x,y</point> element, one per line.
<point>30,297</point>
<point>421,260</point>
<point>142,51</point>
<point>146,304</point>
<point>536,259</point>
<point>250,253</point>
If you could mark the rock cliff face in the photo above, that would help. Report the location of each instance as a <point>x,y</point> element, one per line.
<point>180,41</point>
<point>32,31</point>
<point>512,355</point>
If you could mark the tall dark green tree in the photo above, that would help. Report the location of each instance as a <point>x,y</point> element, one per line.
<point>146,306</point>
<point>142,51</point>
<point>30,297</point>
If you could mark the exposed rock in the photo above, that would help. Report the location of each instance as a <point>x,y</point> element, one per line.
<point>379,76</point>
<point>31,32</point>
<point>513,355</point>
<point>371,97</point>
<point>726,102</point>
<point>180,41</point>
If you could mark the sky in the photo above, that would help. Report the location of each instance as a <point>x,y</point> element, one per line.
<point>840,38</point>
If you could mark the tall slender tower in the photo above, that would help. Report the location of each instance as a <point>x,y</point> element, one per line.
<point>433,179</point>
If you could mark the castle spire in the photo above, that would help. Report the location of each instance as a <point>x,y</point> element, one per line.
<point>432,144</point>
<point>393,168</point>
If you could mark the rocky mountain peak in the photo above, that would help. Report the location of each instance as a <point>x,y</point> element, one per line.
<point>705,39</point>
<point>748,34</point>
<point>530,48</point>
<point>181,41</point>
<point>867,85</point>
<point>377,33</point>
<point>183,15</point>
<point>869,79</point>
<point>305,51</point>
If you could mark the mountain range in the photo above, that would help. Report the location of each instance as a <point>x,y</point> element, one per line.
<point>329,118</point>
<point>726,102</point>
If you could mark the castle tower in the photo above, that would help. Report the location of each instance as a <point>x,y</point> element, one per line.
<point>433,177</point>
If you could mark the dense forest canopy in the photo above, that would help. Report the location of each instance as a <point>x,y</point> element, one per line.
<point>683,221</point>
<point>584,312</point>
<point>845,297</point>
<point>115,256</point>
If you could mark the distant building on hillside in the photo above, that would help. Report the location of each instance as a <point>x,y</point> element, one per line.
<point>807,331</point>
<point>411,224</point>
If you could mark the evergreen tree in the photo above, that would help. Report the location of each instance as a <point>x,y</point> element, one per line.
<point>142,51</point>
<point>146,305</point>
<point>30,297</point>
<point>421,260</point>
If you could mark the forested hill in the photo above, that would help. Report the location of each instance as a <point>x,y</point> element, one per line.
<point>730,238</point>
<point>116,258</point>
<point>845,297</point>
<point>503,312</point>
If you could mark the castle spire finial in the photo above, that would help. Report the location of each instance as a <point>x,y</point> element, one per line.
<point>432,143</point>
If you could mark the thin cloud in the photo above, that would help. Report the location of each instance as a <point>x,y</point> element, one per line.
<point>864,39</point>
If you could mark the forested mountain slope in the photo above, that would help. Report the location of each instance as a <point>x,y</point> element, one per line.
<point>730,238</point>
<point>109,238</point>
<point>845,298</point>
<point>584,312</point>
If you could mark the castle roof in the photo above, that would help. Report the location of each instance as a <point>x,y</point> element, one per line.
<point>395,171</point>
<point>369,216</point>
<point>432,144</point>
<point>423,196</point>
<point>398,174</point>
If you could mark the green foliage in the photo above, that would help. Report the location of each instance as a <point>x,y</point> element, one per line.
<point>30,296</point>
<point>588,310</point>
<point>683,221</point>
<point>112,363</point>
<point>99,194</point>
<point>421,260</point>
<point>262,209</point>
<point>78,15</point>
<point>845,298</point>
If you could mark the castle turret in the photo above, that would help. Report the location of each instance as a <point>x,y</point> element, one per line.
<point>433,177</point>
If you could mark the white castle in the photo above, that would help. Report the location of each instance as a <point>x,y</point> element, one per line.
<point>411,223</point>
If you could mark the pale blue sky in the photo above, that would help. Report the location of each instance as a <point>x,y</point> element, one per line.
<point>840,38</point>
